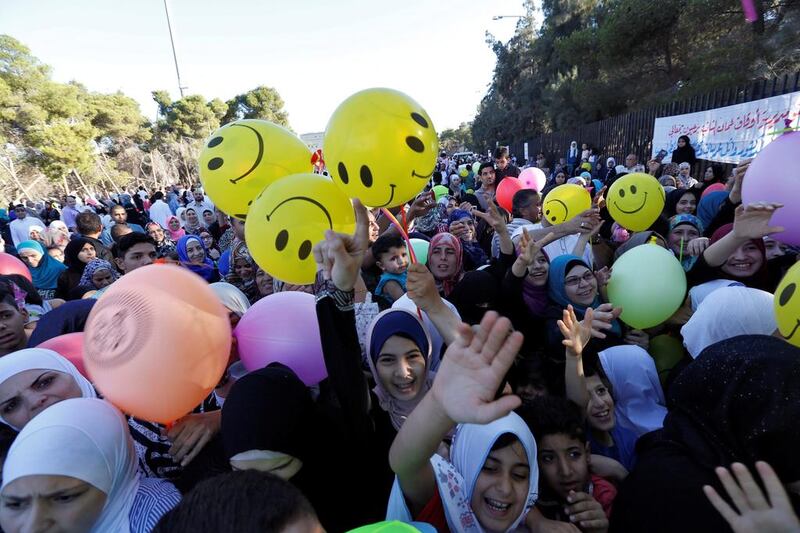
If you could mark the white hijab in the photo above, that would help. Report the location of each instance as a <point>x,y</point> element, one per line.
<point>41,359</point>
<point>83,438</point>
<point>231,297</point>
<point>729,312</point>
<point>638,397</point>
<point>698,293</point>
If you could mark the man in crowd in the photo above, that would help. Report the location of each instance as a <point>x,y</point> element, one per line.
<point>159,210</point>
<point>133,251</point>
<point>200,202</point>
<point>21,227</point>
<point>503,166</point>
<point>120,216</point>
<point>49,213</point>
<point>90,227</point>
<point>70,212</point>
<point>632,164</point>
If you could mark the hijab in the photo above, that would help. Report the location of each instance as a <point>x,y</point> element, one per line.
<point>71,260</point>
<point>455,479</point>
<point>197,227</point>
<point>673,197</point>
<point>638,397</point>
<point>535,298</point>
<point>759,280</point>
<point>573,149</point>
<point>231,297</point>
<point>556,290</point>
<point>687,261</point>
<point>45,275</point>
<point>206,270</point>
<point>239,251</point>
<point>698,293</point>
<point>476,293</point>
<point>729,312</point>
<point>93,266</point>
<point>437,342</point>
<point>83,438</point>
<point>449,240</point>
<point>42,359</point>
<point>180,215</point>
<point>175,234</point>
<point>684,153</point>
<point>405,324</point>
<point>709,206</point>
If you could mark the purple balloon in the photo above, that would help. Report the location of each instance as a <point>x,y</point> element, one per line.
<point>774,176</point>
<point>532,178</point>
<point>283,328</point>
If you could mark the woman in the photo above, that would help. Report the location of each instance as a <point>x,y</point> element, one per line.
<point>208,218</point>
<point>713,174</point>
<point>77,255</point>
<point>739,402</point>
<point>37,233</point>
<point>684,153</point>
<point>193,224</point>
<point>59,234</point>
<point>445,261</point>
<point>193,255</point>
<point>609,173</point>
<point>682,202</point>
<point>208,240</point>
<point>97,275</point>
<point>264,282</point>
<point>174,229</point>
<point>80,450</point>
<point>682,230</point>
<point>462,224</point>
<point>163,245</point>
<point>242,274</point>
<point>728,312</point>
<point>45,270</point>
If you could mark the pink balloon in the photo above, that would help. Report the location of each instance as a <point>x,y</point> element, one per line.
<point>11,265</point>
<point>69,346</point>
<point>774,176</point>
<point>713,188</point>
<point>532,178</point>
<point>283,328</point>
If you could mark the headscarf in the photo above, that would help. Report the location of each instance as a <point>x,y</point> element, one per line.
<point>476,254</point>
<point>476,293</point>
<point>175,234</point>
<point>71,252</point>
<point>740,401</point>
<point>445,286</point>
<point>535,298</point>
<point>685,153</point>
<point>638,397</point>
<point>239,251</point>
<point>556,290</point>
<point>206,270</point>
<point>196,228</point>
<point>728,312</point>
<point>83,438</point>
<point>455,479</point>
<point>93,266</point>
<point>41,359</point>
<point>405,324</point>
<point>673,197</point>
<point>182,219</point>
<point>45,275</point>
<point>38,229</point>
<point>434,221</point>
<point>687,261</point>
<point>231,297</point>
<point>698,293</point>
<point>759,280</point>
<point>611,162</point>
<point>709,206</point>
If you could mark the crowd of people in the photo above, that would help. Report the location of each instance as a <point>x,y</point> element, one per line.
<point>489,387</point>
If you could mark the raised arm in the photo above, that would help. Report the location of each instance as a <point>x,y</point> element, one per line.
<point>750,222</point>
<point>421,288</point>
<point>576,336</point>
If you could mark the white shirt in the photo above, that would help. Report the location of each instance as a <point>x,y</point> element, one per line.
<point>160,212</point>
<point>563,246</point>
<point>20,229</point>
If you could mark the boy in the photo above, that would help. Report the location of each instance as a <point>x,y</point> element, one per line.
<point>568,492</point>
<point>391,256</point>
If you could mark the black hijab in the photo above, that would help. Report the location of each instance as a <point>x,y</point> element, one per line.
<point>74,247</point>
<point>684,154</point>
<point>674,196</point>
<point>475,294</point>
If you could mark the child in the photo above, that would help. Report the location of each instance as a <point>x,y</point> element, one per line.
<point>391,256</point>
<point>568,492</point>
<point>527,378</point>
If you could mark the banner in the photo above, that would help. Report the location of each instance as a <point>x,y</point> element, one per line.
<point>728,134</point>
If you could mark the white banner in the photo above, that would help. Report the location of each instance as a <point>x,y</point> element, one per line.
<point>728,134</point>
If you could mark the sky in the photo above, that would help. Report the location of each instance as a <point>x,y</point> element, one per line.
<point>314,52</point>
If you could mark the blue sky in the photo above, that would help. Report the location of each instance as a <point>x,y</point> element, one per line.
<point>315,52</point>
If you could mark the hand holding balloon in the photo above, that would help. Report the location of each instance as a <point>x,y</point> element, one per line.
<point>339,256</point>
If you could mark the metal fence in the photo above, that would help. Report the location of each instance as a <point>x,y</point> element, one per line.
<point>633,132</point>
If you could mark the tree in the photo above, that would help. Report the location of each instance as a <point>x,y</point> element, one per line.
<point>262,102</point>
<point>456,140</point>
<point>117,119</point>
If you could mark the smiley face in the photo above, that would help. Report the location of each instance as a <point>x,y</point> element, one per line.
<point>787,305</point>
<point>288,218</point>
<point>241,158</point>
<point>564,202</point>
<point>381,147</point>
<point>635,201</point>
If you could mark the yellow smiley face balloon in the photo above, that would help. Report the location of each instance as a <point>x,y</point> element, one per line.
<point>241,158</point>
<point>787,305</point>
<point>635,201</point>
<point>380,147</point>
<point>288,218</point>
<point>564,202</point>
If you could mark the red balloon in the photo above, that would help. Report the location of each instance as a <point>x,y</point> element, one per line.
<point>506,191</point>
<point>69,346</point>
<point>11,265</point>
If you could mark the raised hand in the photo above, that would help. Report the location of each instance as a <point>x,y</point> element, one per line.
<point>472,370</point>
<point>586,512</point>
<point>421,287</point>
<point>639,338</point>
<point>756,514</point>
<point>602,276</point>
<point>577,334</point>
<point>528,250</point>
<point>493,217</point>
<point>339,256</point>
<point>739,172</point>
<point>603,316</point>
<point>697,246</point>
<point>752,221</point>
<point>421,205</point>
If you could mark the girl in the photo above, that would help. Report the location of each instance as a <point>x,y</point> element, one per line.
<point>174,228</point>
<point>163,245</point>
<point>208,240</point>
<point>682,230</point>
<point>45,270</point>
<point>193,255</point>
<point>684,153</point>
<point>78,253</point>
<point>682,202</point>
<point>97,275</point>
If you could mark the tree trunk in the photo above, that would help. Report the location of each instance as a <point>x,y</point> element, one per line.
<point>12,171</point>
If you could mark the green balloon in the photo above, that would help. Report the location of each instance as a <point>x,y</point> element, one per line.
<point>386,527</point>
<point>649,284</point>
<point>421,247</point>
<point>476,166</point>
<point>440,190</point>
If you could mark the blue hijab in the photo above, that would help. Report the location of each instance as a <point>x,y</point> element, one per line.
<point>45,275</point>
<point>559,267</point>
<point>709,206</point>
<point>206,270</point>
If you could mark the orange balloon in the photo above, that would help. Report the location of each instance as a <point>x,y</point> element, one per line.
<point>69,346</point>
<point>157,342</point>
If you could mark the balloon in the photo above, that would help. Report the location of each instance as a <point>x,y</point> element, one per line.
<point>157,342</point>
<point>463,172</point>
<point>564,202</point>
<point>393,527</point>
<point>787,305</point>
<point>439,191</point>
<point>11,265</point>
<point>666,352</point>
<point>506,191</point>
<point>532,178</point>
<point>649,284</point>
<point>774,176</point>
<point>283,328</point>
<point>241,158</point>
<point>381,147</point>
<point>476,166</point>
<point>69,346</point>
<point>421,247</point>
<point>288,218</point>
<point>635,201</point>
<point>713,188</point>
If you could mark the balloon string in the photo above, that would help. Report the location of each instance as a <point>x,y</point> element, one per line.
<point>680,259</point>
<point>402,229</point>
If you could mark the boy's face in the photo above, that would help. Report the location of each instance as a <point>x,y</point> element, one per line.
<point>139,255</point>
<point>564,463</point>
<point>395,260</point>
<point>12,328</point>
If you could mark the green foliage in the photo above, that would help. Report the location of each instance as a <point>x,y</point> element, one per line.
<point>262,102</point>
<point>456,140</point>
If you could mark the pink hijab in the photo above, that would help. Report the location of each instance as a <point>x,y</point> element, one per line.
<point>451,241</point>
<point>174,234</point>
